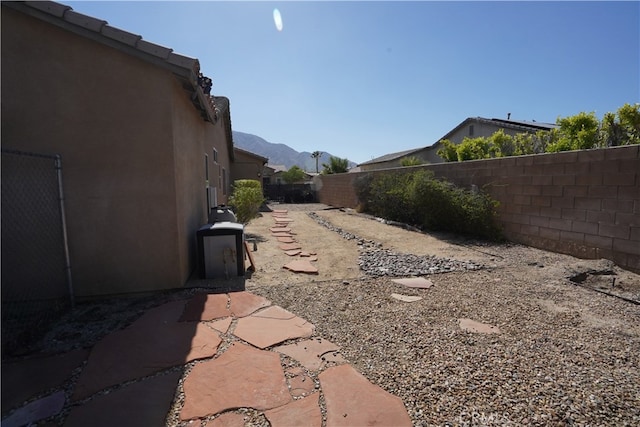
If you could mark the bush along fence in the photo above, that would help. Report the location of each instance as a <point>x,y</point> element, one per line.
<point>583,203</point>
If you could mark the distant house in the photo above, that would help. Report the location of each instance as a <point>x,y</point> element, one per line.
<point>471,127</point>
<point>247,165</point>
<point>394,160</point>
<point>271,172</point>
<point>474,127</point>
<point>277,178</point>
<point>146,151</point>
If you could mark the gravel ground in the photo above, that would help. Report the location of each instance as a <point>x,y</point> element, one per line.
<point>552,364</point>
<point>565,355</point>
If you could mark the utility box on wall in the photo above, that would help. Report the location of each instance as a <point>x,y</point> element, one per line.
<point>220,250</point>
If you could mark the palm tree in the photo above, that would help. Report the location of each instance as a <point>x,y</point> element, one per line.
<point>316,155</point>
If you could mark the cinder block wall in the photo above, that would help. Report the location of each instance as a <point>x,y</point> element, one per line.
<point>582,203</point>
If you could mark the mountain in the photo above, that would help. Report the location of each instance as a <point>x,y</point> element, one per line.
<point>280,154</point>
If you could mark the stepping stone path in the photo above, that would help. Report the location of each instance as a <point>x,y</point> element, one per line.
<point>406,298</point>
<point>290,246</point>
<point>414,282</point>
<point>223,352</point>
<point>481,328</point>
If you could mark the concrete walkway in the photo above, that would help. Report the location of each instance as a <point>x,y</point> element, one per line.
<point>212,356</point>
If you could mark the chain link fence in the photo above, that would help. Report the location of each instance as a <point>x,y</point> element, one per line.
<point>36,281</point>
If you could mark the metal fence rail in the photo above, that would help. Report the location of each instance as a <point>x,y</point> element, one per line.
<point>36,280</point>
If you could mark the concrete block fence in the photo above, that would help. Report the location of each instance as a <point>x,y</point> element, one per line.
<point>582,203</point>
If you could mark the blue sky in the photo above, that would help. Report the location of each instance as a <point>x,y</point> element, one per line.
<point>364,79</point>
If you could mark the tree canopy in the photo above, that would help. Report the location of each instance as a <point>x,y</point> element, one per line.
<point>294,174</point>
<point>579,132</point>
<point>335,165</point>
<point>410,161</point>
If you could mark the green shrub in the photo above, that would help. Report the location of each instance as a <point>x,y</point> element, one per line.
<point>246,199</point>
<point>417,198</point>
<point>389,196</point>
<point>362,186</point>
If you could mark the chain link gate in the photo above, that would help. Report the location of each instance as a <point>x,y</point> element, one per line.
<point>36,279</point>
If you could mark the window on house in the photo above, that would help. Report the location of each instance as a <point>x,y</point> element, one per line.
<point>215,155</point>
<point>471,130</point>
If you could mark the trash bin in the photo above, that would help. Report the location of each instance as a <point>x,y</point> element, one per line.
<point>220,250</point>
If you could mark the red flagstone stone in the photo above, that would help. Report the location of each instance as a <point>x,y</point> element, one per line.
<point>272,326</point>
<point>414,282</point>
<point>303,412</point>
<point>313,258</point>
<point>24,379</point>
<point>36,410</point>
<point>281,234</point>
<point>313,353</point>
<point>300,384</point>
<point>154,342</point>
<point>405,298</point>
<point>482,328</point>
<point>353,401</point>
<point>221,325</point>
<point>283,219</point>
<point>145,403</point>
<point>281,229</point>
<point>202,307</point>
<point>280,210</point>
<point>286,239</point>
<point>228,419</point>
<point>241,377</point>
<point>301,266</point>
<point>293,252</point>
<point>305,254</point>
<point>245,303</point>
<point>290,246</point>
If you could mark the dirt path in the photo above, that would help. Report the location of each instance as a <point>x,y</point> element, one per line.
<point>338,257</point>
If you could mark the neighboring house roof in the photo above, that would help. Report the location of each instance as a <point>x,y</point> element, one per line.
<point>264,160</point>
<point>392,156</point>
<point>277,168</point>
<point>186,69</point>
<point>522,125</point>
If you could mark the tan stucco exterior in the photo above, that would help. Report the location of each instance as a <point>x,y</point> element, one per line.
<point>133,150</point>
<point>247,165</point>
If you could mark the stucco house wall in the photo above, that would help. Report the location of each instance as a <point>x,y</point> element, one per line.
<point>247,165</point>
<point>132,145</point>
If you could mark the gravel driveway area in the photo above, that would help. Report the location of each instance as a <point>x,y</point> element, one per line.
<point>565,354</point>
